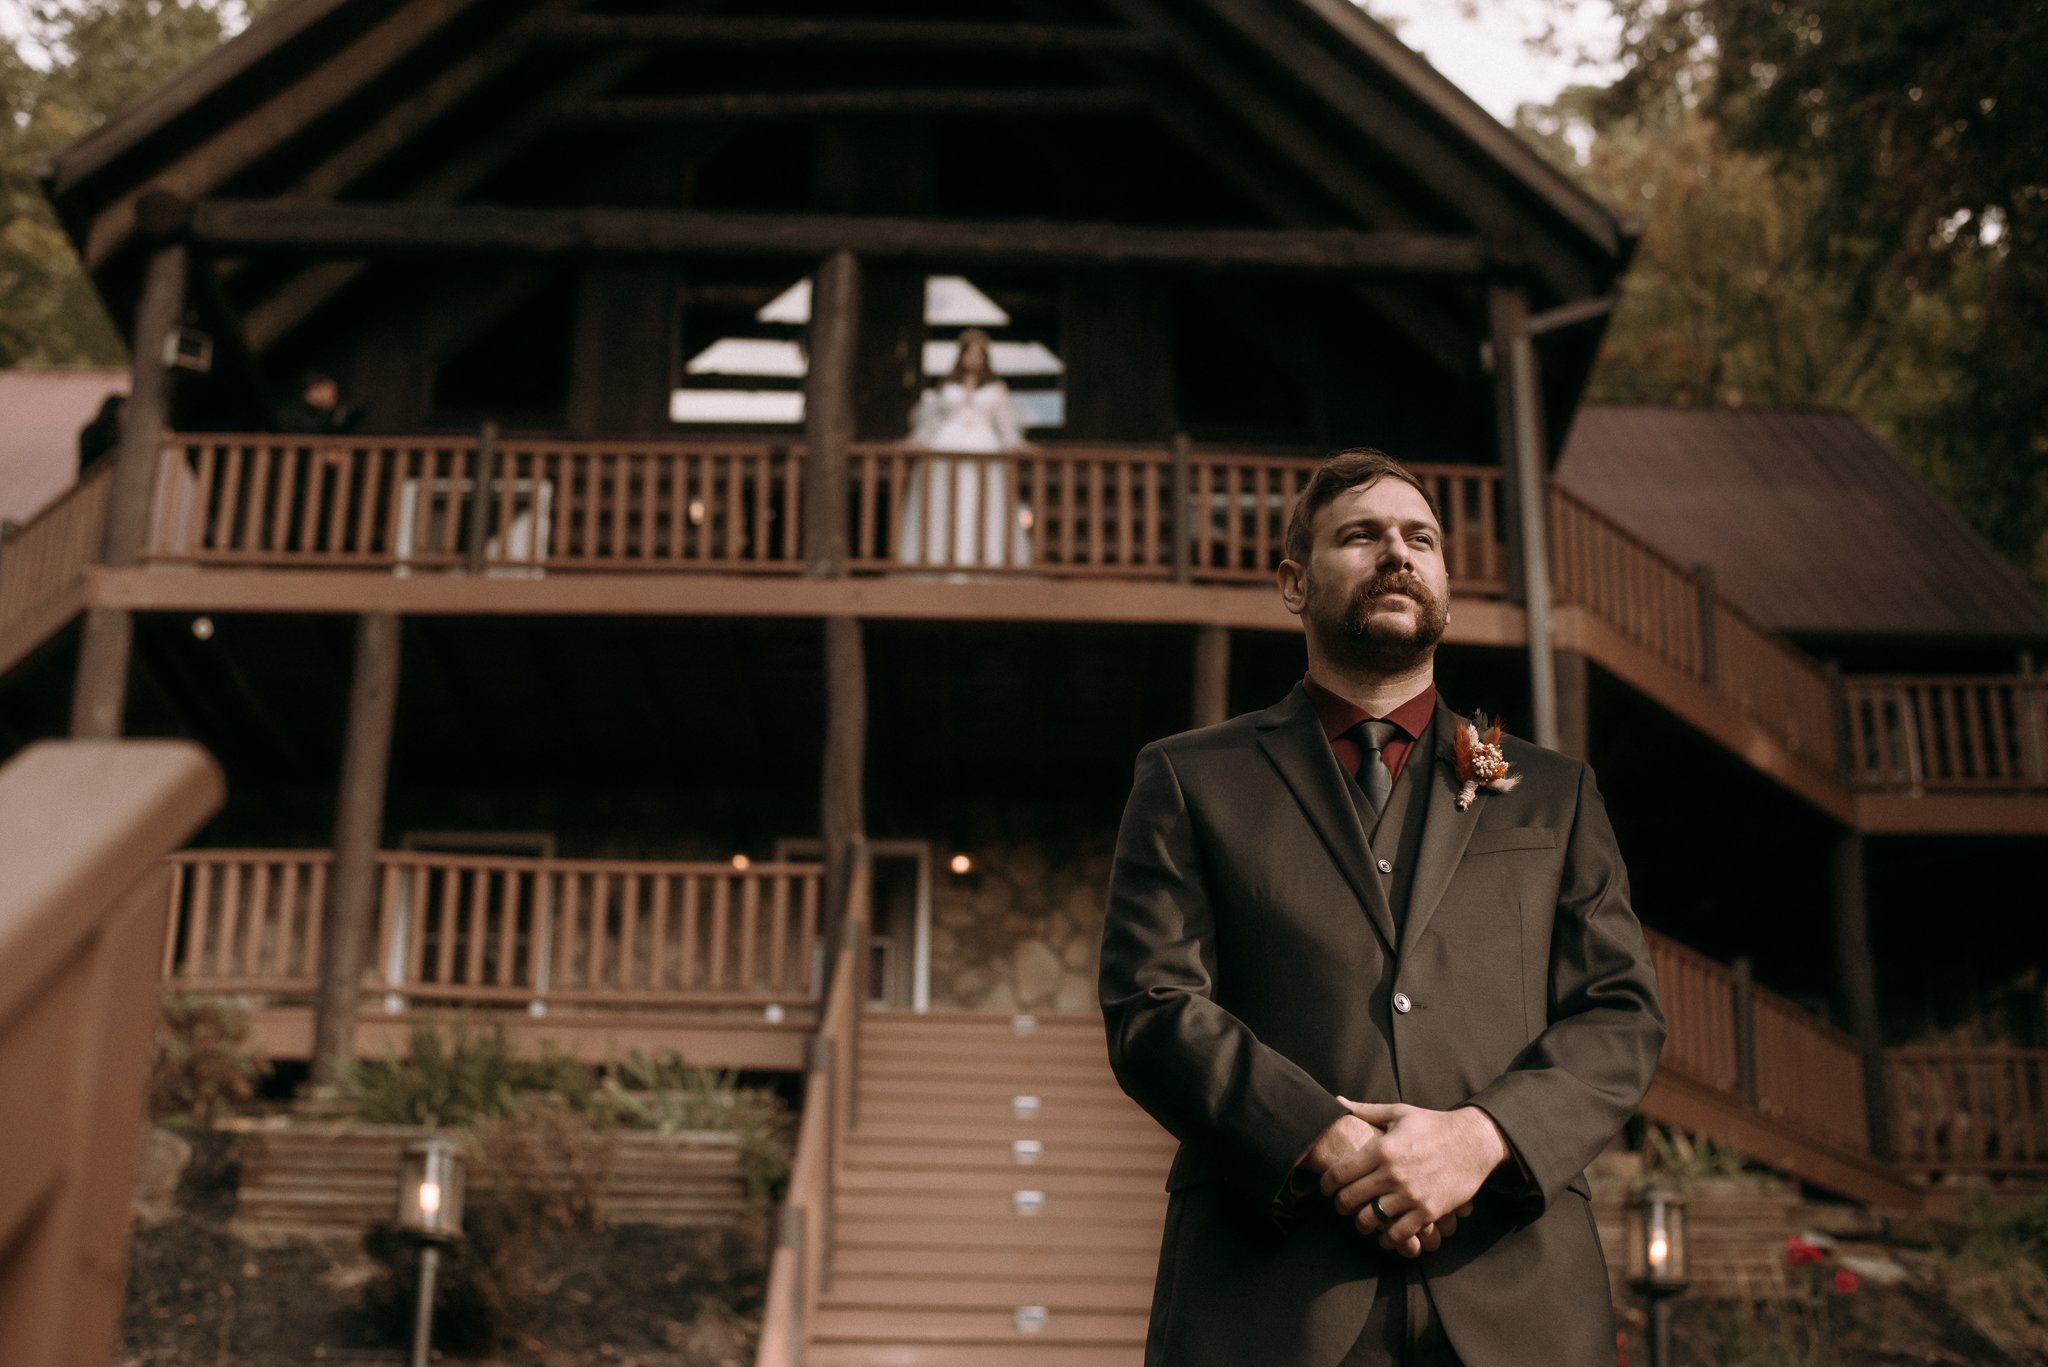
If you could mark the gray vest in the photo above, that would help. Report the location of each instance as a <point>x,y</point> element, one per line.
<point>1396,835</point>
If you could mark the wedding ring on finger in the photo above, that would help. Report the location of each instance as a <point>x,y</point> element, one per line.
<point>1380,1212</point>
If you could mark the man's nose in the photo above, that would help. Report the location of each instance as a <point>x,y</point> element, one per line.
<point>1395,552</point>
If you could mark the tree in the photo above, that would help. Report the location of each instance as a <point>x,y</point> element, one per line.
<point>1923,127</point>
<point>1725,305</point>
<point>74,63</point>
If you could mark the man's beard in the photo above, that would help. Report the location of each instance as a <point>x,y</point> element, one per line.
<point>1383,646</point>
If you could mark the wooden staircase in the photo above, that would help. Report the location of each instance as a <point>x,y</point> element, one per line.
<point>999,1201</point>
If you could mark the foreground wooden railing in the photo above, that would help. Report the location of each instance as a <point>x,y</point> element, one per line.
<point>43,564</point>
<point>503,931</point>
<point>800,1268</point>
<point>1948,732</point>
<point>1961,1109</point>
<point>1759,1049</point>
<point>83,830</point>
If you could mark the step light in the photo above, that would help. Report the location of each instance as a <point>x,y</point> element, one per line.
<point>1027,1150</point>
<point>1031,1318</point>
<point>1023,1025</point>
<point>1028,1202</point>
<point>1024,1107</point>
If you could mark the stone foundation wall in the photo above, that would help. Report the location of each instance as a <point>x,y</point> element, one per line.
<point>1023,932</point>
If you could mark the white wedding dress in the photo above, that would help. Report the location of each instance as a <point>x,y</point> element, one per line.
<point>962,511</point>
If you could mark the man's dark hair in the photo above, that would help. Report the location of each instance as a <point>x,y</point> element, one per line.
<point>1342,470</point>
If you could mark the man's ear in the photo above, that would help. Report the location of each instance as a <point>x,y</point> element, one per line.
<point>1293,583</point>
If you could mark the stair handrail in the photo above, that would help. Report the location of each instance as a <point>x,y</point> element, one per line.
<point>799,1268</point>
<point>47,556</point>
<point>84,826</point>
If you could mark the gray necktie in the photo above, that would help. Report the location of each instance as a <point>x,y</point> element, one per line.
<point>1373,775</point>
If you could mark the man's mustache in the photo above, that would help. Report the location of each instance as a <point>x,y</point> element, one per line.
<point>1396,581</point>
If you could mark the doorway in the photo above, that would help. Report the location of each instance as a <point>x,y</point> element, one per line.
<point>900,941</point>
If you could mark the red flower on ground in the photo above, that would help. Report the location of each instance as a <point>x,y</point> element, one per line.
<point>1847,1282</point>
<point>1621,1347</point>
<point>1799,1253</point>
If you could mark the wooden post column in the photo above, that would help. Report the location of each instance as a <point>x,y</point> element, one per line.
<point>1518,426</point>
<point>99,697</point>
<point>1212,675</point>
<point>358,829</point>
<point>1574,714</point>
<point>1856,969</point>
<point>828,432</point>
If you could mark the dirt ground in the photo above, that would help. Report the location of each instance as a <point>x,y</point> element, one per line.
<point>630,1296</point>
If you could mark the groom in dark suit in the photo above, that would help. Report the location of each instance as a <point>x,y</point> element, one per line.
<point>1389,1021</point>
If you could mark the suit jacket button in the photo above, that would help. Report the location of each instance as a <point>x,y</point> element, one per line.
<point>1401,1002</point>
<point>1386,866</point>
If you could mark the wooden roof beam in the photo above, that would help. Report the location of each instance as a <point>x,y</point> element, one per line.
<point>262,130</point>
<point>237,226</point>
<point>304,294</point>
<point>839,103</point>
<point>641,30</point>
<point>1431,159</point>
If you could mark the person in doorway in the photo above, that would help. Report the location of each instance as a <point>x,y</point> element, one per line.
<point>960,510</point>
<point>1377,970</point>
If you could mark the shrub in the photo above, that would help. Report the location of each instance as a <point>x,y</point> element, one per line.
<point>202,1058</point>
<point>660,1092</point>
<point>437,1085</point>
<point>1997,1275</point>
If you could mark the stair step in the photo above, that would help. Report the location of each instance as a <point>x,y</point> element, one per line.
<point>996,1209</point>
<point>1032,1354</point>
<point>1006,1262</point>
<point>893,1182</point>
<point>977,1327</point>
<point>1046,1231</point>
<point>1126,1294</point>
<point>1121,1132</point>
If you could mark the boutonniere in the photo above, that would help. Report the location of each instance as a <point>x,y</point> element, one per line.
<point>1480,762</point>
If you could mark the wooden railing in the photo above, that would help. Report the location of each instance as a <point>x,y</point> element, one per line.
<point>413,502</point>
<point>1758,1048</point>
<point>497,930</point>
<point>1809,1072</point>
<point>800,1268</point>
<point>46,560</point>
<point>1948,732</point>
<point>84,827</point>
<point>1969,1109</point>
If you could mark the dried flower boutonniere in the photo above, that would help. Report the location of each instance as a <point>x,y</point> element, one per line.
<point>1480,762</point>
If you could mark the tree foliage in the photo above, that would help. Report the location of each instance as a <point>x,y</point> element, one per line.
<point>1920,130</point>
<point>71,65</point>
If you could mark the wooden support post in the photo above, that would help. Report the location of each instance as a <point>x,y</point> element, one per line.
<point>1847,762</point>
<point>99,697</point>
<point>1518,425</point>
<point>829,412</point>
<point>1856,969</point>
<point>1183,521</point>
<point>1212,675</point>
<point>1710,626</point>
<point>1745,1029</point>
<point>480,495</point>
<point>358,829</point>
<point>842,807</point>
<point>1574,714</point>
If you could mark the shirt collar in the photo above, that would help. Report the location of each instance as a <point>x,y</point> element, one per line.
<point>1339,715</point>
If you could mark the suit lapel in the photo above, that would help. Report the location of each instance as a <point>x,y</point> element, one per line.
<point>1293,739</point>
<point>1445,831</point>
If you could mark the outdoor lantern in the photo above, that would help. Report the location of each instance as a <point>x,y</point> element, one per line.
<point>430,1210</point>
<point>1657,1258</point>
<point>962,863</point>
<point>430,1190</point>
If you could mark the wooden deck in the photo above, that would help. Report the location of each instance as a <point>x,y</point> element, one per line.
<point>252,523</point>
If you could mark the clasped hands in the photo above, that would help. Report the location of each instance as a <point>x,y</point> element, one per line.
<point>1424,1167</point>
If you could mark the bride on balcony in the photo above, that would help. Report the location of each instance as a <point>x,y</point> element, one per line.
<point>963,511</point>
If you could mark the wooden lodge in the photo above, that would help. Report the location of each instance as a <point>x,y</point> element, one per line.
<point>582,683</point>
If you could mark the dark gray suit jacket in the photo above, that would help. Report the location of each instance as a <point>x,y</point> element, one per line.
<point>1249,963</point>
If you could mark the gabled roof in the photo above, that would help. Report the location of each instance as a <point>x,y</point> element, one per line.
<point>1811,523</point>
<point>370,98</point>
